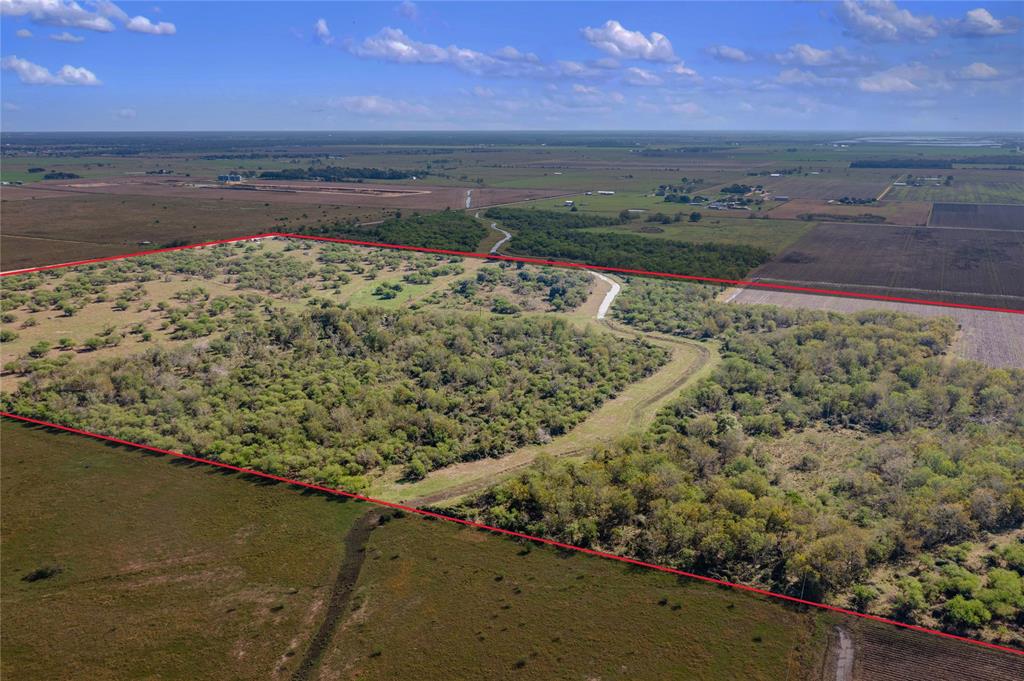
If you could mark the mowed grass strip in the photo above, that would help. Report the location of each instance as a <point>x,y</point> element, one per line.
<point>436,601</point>
<point>166,570</point>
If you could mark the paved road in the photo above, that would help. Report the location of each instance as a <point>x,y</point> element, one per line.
<point>609,297</point>
<point>469,197</point>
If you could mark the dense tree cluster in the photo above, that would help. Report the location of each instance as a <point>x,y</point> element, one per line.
<point>335,174</point>
<point>512,287</point>
<point>448,229</point>
<point>331,393</point>
<point>528,218</point>
<point>562,236</point>
<point>939,462</point>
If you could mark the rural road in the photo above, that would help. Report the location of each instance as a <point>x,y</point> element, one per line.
<point>494,226</point>
<point>844,656</point>
<point>609,297</point>
<point>469,197</point>
<point>495,247</point>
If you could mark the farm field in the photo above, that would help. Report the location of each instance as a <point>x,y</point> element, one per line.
<point>970,185</point>
<point>993,338</point>
<point>977,215</point>
<point>894,212</point>
<point>162,569</point>
<point>772,235</point>
<point>179,571</point>
<point>56,227</point>
<point>833,184</point>
<point>935,263</point>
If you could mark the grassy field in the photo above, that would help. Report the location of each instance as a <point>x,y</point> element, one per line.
<point>525,612</point>
<point>64,227</point>
<point>962,192</point>
<point>166,571</point>
<point>772,235</point>
<point>970,185</point>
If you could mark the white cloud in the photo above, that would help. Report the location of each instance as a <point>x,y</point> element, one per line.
<point>806,55</point>
<point>23,33</point>
<point>322,31</point>
<point>126,114</point>
<point>34,74</point>
<point>726,53</point>
<point>66,37</point>
<point>620,42</point>
<point>801,77</point>
<point>483,92</point>
<point>392,44</point>
<point>62,13</point>
<point>373,105</point>
<point>638,76</point>
<point>409,10</point>
<point>510,53</point>
<point>884,21</point>
<point>585,89</point>
<point>143,25</point>
<point>11,106</point>
<point>688,109</point>
<point>979,23</point>
<point>976,71</point>
<point>896,79</point>
<point>70,14</point>
<point>682,69</point>
<point>906,78</point>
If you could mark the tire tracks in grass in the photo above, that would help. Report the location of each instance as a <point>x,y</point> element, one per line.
<point>341,593</point>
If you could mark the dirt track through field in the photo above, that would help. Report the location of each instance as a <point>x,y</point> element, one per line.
<point>341,593</point>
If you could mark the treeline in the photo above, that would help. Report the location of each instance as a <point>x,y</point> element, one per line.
<point>938,163</point>
<point>562,236</point>
<point>335,174</point>
<point>331,394</point>
<point>448,229</point>
<point>940,464</point>
<point>903,163</point>
<point>527,218</point>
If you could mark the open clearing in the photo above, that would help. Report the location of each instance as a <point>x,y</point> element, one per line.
<point>832,184</point>
<point>946,264</point>
<point>970,185</point>
<point>60,227</point>
<point>166,570</point>
<point>772,235</point>
<point>409,197</point>
<point>995,338</point>
<point>894,212</point>
<point>977,215</point>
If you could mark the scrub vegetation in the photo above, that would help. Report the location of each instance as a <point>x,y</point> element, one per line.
<point>916,516</point>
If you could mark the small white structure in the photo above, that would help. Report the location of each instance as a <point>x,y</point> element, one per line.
<point>605,192</point>
<point>569,203</point>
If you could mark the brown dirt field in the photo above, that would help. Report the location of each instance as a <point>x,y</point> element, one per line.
<point>861,184</point>
<point>886,653</point>
<point>1001,216</point>
<point>974,266</point>
<point>994,338</point>
<point>365,195</point>
<point>77,226</point>
<point>894,212</point>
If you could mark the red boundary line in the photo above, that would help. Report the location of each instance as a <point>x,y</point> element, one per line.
<point>745,283</point>
<point>470,523</point>
<point>511,533</point>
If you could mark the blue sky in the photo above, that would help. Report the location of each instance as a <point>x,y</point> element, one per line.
<point>876,65</point>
